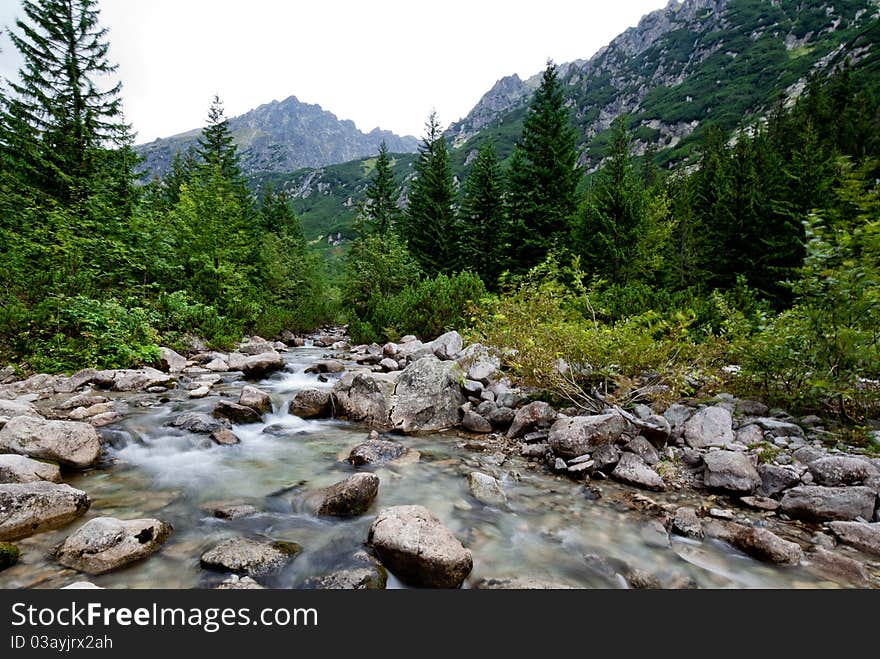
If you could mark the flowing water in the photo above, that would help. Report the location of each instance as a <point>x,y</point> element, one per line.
<point>551,529</point>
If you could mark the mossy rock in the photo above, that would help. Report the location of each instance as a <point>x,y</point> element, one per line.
<point>8,555</point>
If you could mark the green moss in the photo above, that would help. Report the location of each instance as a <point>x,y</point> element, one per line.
<point>8,555</point>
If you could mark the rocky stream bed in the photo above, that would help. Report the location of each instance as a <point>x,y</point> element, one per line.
<point>322,465</point>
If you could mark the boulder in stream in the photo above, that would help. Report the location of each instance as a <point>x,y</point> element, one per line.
<point>311,404</point>
<point>254,558</point>
<point>105,544</point>
<point>70,443</point>
<point>256,399</point>
<point>348,498</point>
<point>21,469</point>
<point>29,508</point>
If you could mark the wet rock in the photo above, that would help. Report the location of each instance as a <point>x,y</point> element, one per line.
<point>171,361</point>
<point>486,489</point>
<point>838,568</point>
<point>137,380</point>
<point>224,437</point>
<point>388,365</point>
<point>326,366</point>
<point>631,469</point>
<point>200,392</point>
<point>864,537</point>
<point>686,523</point>
<point>654,534</point>
<point>412,543</point>
<point>29,508</point>
<point>775,480</point>
<point>235,413</point>
<point>366,397</point>
<point>348,498</point>
<point>730,471</point>
<point>256,399</point>
<point>534,450</point>
<point>21,469</point>
<point>236,582</point>
<point>311,404</point>
<point>760,503</point>
<point>376,451</point>
<point>822,504</point>
<point>574,436</point>
<point>606,457</point>
<point>766,545</point>
<point>428,396</point>
<point>360,578</point>
<point>105,544</point>
<point>520,583</point>
<point>501,418</point>
<point>254,558</point>
<point>70,443</point>
<point>712,426</point>
<point>86,413</point>
<point>529,417</point>
<point>842,470</point>
<point>259,366</point>
<point>447,346</point>
<point>644,449</point>
<point>475,423</point>
<point>227,510</point>
<point>198,422</point>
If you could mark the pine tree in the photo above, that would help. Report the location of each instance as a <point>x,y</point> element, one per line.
<point>613,215</point>
<point>430,223</point>
<point>276,216</point>
<point>482,218</point>
<point>216,149</point>
<point>62,117</point>
<point>543,176</point>
<point>380,210</point>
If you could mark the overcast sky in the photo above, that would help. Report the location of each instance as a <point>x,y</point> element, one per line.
<point>380,63</point>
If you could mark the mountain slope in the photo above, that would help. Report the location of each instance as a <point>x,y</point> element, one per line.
<point>283,137</point>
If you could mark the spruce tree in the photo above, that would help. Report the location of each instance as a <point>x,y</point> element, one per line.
<point>543,175</point>
<point>380,210</point>
<point>430,223</point>
<point>482,218</point>
<point>62,116</point>
<point>216,149</point>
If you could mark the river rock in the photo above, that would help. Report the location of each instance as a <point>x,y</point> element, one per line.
<point>366,397</point>
<point>256,399</point>
<point>712,426</point>
<point>359,578</point>
<point>229,510</point>
<point>9,409</point>
<point>70,443</point>
<point>687,523</point>
<point>218,365</point>
<point>447,346</point>
<point>730,471</point>
<point>258,366</point>
<point>376,451</point>
<point>572,437</point>
<point>482,370</point>
<point>388,365</point>
<point>775,479</point>
<point>235,413</point>
<point>140,379</point>
<point>520,583</point>
<point>501,418</point>
<point>21,469</point>
<point>348,498</point>
<point>326,366</point>
<point>200,392</point>
<point>428,396</point>
<point>86,413</point>
<point>198,422</point>
<point>412,543</point>
<point>530,417</point>
<point>631,469</point>
<point>224,437</point>
<point>822,504</point>
<point>79,379</point>
<point>236,361</point>
<point>605,457</point>
<point>644,449</point>
<point>311,404</point>
<point>486,489</point>
<point>254,558</point>
<point>842,470</point>
<point>105,544</point>
<point>864,537</point>
<point>777,427</point>
<point>171,361</point>
<point>839,568</point>
<point>85,399</point>
<point>475,423</point>
<point>29,508</point>
<point>765,545</point>
<point>677,415</point>
<point>256,348</point>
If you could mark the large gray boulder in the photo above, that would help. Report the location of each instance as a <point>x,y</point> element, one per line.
<point>822,504</point>
<point>632,470</point>
<point>198,422</point>
<point>258,366</point>
<point>256,399</point>
<point>311,404</point>
<point>730,471</point>
<point>255,558</point>
<point>712,426</point>
<point>376,451</point>
<point>842,470</point>
<point>348,498</point>
<point>171,361</point>
<point>865,537</point>
<point>9,409</point>
<point>529,417</point>
<point>486,489</point>
<point>140,379</point>
<point>428,396</point>
<point>29,508</point>
<point>447,346</point>
<point>21,469</point>
<point>572,437</point>
<point>776,479</point>
<point>105,544</point>
<point>236,413</point>
<point>70,443</point>
<point>764,545</point>
<point>413,544</point>
<point>366,397</point>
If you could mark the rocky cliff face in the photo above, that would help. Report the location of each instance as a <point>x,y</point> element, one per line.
<point>284,136</point>
<point>508,94</point>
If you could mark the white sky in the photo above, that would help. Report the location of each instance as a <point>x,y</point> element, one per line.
<point>380,63</point>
